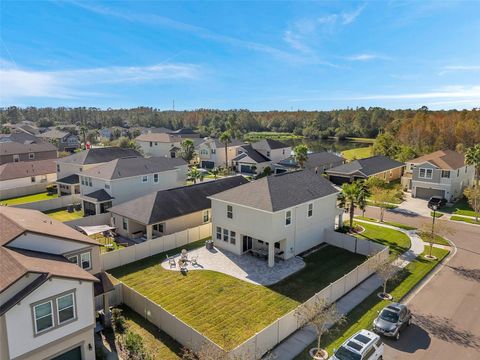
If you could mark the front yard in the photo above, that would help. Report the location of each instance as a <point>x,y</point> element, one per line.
<point>461,207</point>
<point>224,308</point>
<point>63,215</point>
<point>28,199</point>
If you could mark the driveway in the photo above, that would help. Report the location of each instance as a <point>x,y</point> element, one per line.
<point>447,308</point>
<point>413,206</point>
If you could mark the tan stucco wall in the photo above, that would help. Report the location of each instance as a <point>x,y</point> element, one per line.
<point>396,174</point>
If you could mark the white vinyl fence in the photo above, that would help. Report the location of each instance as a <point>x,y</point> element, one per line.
<point>115,297</point>
<point>113,259</point>
<point>46,205</point>
<point>273,334</point>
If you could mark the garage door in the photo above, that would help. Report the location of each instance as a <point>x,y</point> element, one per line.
<point>338,180</point>
<point>74,354</point>
<point>424,193</point>
<point>208,164</point>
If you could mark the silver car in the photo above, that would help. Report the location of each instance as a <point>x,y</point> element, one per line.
<point>392,320</point>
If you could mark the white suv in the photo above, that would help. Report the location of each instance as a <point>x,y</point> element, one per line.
<point>364,345</point>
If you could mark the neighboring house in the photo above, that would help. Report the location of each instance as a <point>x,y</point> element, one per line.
<point>274,150</point>
<point>186,133</point>
<point>159,144</point>
<point>441,173</point>
<point>127,178</point>
<point>70,166</point>
<point>12,151</point>
<point>211,152</point>
<point>318,162</point>
<point>279,216</point>
<point>26,177</point>
<point>169,211</point>
<point>65,141</point>
<point>50,275</point>
<point>250,161</point>
<point>20,137</point>
<point>381,167</point>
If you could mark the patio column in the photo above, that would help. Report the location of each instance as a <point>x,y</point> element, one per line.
<point>271,254</point>
<point>97,208</point>
<point>149,232</point>
<point>106,311</point>
<point>340,220</point>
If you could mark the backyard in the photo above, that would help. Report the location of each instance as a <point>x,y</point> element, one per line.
<point>63,215</point>
<point>28,199</point>
<point>358,153</point>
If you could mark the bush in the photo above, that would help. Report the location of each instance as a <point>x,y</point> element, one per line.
<point>134,347</point>
<point>118,321</point>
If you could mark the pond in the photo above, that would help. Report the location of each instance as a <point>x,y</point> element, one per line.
<point>327,144</point>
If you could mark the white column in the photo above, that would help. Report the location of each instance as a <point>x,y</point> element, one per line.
<point>271,254</point>
<point>97,208</point>
<point>340,220</point>
<point>149,232</point>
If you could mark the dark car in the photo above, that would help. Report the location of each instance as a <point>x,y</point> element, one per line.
<point>392,320</point>
<point>437,201</point>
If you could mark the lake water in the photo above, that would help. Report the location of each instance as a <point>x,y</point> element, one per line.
<point>327,144</point>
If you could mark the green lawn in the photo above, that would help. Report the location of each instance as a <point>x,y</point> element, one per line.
<point>255,136</point>
<point>461,207</point>
<point>63,215</point>
<point>363,140</point>
<point>228,310</point>
<point>464,219</point>
<point>358,153</point>
<point>362,316</point>
<point>437,239</point>
<point>392,223</point>
<point>398,241</point>
<point>158,344</point>
<point>28,199</point>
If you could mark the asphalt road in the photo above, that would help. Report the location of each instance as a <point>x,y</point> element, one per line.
<point>447,308</point>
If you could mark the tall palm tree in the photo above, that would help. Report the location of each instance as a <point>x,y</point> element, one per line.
<point>225,139</point>
<point>351,196</point>
<point>300,154</point>
<point>472,157</point>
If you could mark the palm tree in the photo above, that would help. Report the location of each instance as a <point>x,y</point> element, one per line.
<point>83,130</point>
<point>472,157</point>
<point>194,174</point>
<point>300,154</point>
<point>352,195</point>
<point>225,139</point>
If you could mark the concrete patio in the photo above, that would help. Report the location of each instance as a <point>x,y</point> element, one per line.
<point>246,267</point>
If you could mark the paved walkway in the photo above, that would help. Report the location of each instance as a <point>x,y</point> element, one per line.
<point>244,267</point>
<point>301,339</point>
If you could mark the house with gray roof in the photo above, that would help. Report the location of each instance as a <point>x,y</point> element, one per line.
<point>69,167</point>
<point>211,152</point>
<point>378,166</point>
<point>318,162</point>
<point>169,211</point>
<point>63,140</point>
<point>278,216</point>
<point>13,151</point>
<point>127,178</point>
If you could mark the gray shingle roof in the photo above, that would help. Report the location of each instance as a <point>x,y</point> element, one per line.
<point>23,169</point>
<point>167,204</point>
<point>279,192</point>
<point>368,166</point>
<point>99,195</point>
<point>314,160</point>
<point>249,151</point>
<point>12,147</point>
<point>269,144</point>
<point>98,155</point>
<point>133,166</point>
<point>70,179</point>
<point>54,134</point>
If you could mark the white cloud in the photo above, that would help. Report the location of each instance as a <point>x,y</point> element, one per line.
<point>366,57</point>
<point>454,68</point>
<point>349,17</point>
<point>20,83</point>
<point>328,19</point>
<point>295,41</point>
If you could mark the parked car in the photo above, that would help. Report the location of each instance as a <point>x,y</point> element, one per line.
<point>437,201</point>
<point>361,346</point>
<point>392,320</point>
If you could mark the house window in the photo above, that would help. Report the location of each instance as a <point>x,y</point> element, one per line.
<point>219,233</point>
<point>310,210</point>
<point>283,152</point>
<point>144,179</point>
<point>268,153</point>
<point>86,261</point>
<point>232,237</point>
<point>31,156</point>
<point>58,168</point>
<point>32,179</point>
<point>214,151</point>
<point>16,158</point>
<point>89,181</point>
<point>288,217</point>
<point>73,259</point>
<point>125,224</point>
<point>225,235</point>
<point>206,216</point>
<point>425,173</point>
<point>229,211</point>
<point>82,180</point>
<point>156,143</point>
<point>43,316</point>
<point>107,186</point>
<point>155,178</point>
<point>445,174</point>
<point>458,172</point>
<point>159,227</point>
<point>65,308</point>
<point>151,144</point>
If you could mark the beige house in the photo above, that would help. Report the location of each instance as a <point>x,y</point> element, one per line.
<point>211,152</point>
<point>278,216</point>
<point>169,211</point>
<point>159,144</point>
<point>47,306</point>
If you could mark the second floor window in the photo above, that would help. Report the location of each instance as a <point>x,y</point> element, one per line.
<point>229,211</point>
<point>155,178</point>
<point>31,156</point>
<point>124,224</point>
<point>206,216</point>
<point>84,260</point>
<point>65,308</point>
<point>58,168</point>
<point>219,233</point>
<point>107,186</point>
<point>288,217</point>
<point>425,173</point>
<point>310,210</point>
<point>32,179</point>
<point>144,179</point>
<point>445,174</point>
<point>16,158</point>
<point>43,314</point>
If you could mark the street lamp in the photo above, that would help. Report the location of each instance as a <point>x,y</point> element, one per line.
<point>434,207</point>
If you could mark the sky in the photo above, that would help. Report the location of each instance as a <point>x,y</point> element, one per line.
<point>266,55</point>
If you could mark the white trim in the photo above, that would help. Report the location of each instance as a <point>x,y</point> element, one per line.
<point>290,217</point>
<point>426,171</point>
<point>73,307</point>
<point>308,209</point>
<point>51,316</point>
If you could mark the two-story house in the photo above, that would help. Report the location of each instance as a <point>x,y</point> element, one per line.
<point>48,272</point>
<point>69,167</point>
<point>63,140</point>
<point>211,152</point>
<point>441,173</point>
<point>318,162</point>
<point>280,215</point>
<point>159,144</point>
<point>127,178</point>
<point>13,151</point>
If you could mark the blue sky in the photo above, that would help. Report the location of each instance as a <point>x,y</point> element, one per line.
<point>252,55</point>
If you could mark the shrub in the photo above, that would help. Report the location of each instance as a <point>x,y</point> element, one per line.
<point>134,347</point>
<point>118,321</point>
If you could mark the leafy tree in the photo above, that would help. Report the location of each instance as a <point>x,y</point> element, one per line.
<point>429,233</point>
<point>472,193</point>
<point>225,139</point>
<point>385,270</point>
<point>472,157</point>
<point>406,153</point>
<point>194,174</point>
<point>188,150</point>
<point>215,172</point>
<point>383,198</point>
<point>351,196</point>
<point>386,144</point>
<point>300,154</point>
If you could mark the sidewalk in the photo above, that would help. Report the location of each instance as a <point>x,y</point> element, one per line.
<point>299,340</point>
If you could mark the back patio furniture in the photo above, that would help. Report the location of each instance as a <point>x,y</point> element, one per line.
<point>171,261</point>
<point>193,260</point>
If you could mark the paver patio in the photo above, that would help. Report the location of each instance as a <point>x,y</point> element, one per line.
<point>246,267</point>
